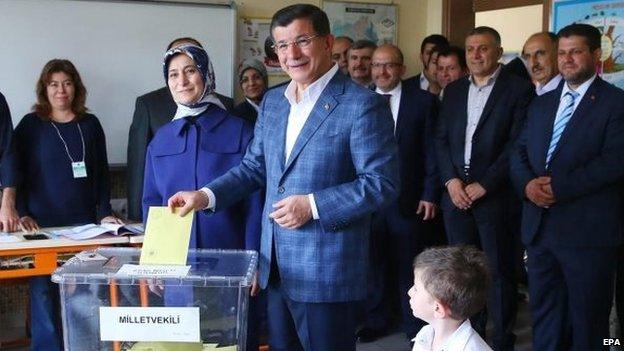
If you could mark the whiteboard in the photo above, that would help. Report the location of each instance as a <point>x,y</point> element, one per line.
<point>117,46</point>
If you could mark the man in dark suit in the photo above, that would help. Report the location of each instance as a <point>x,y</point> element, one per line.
<point>451,66</point>
<point>152,111</point>
<point>324,151</point>
<point>540,53</point>
<point>398,229</point>
<point>518,68</point>
<point>340,53</point>
<point>426,47</point>
<point>568,165</point>
<point>480,117</point>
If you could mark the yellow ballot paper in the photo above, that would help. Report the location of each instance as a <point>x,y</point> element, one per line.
<point>167,237</point>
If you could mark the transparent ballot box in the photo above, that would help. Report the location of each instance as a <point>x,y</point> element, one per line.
<point>110,302</point>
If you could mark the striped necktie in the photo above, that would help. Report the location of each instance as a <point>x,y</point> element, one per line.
<point>561,121</point>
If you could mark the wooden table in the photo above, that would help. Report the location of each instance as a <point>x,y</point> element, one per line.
<point>45,253</point>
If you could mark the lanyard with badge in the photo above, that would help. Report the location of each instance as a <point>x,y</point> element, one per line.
<point>79,168</point>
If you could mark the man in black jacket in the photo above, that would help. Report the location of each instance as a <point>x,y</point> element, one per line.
<point>399,230</point>
<point>480,117</point>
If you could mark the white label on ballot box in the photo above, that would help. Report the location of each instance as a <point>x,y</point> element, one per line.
<point>173,324</point>
<point>154,270</point>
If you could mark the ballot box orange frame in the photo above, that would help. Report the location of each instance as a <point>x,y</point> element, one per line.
<point>45,255</point>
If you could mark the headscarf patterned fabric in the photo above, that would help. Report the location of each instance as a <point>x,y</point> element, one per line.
<point>202,61</point>
<point>255,64</point>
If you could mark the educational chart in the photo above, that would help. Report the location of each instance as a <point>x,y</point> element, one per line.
<point>255,42</point>
<point>375,22</point>
<point>608,17</point>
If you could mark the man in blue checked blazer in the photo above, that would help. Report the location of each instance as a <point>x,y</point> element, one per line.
<point>568,165</point>
<point>325,151</point>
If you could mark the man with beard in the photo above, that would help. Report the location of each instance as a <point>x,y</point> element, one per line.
<point>540,53</point>
<point>360,56</point>
<point>568,166</point>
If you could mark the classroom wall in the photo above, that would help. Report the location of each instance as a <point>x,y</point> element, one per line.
<point>417,19</point>
<point>515,25</point>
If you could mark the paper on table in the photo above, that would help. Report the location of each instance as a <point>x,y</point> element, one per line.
<point>167,237</point>
<point>9,238</point>
<point>82,232</point>
<point>92,230</point>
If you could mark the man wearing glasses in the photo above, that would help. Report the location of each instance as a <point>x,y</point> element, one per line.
<point>398,229</point>
<point>325,152</point>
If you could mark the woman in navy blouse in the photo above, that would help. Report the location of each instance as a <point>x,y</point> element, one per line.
<point>63,177</point>
<point>201,143</point>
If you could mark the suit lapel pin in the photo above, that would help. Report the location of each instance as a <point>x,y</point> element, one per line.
<point>326,107</point>
<point>593,97</point>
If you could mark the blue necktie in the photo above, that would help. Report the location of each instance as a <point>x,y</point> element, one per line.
<point>561,121</point>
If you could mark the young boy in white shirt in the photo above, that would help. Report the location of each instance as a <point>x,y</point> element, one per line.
<point>450,285</point>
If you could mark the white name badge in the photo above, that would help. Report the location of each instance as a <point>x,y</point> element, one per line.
<point>168,324</point>
<point>79,169</point>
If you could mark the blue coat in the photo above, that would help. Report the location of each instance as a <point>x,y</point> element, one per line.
<point>346,156</point>
<point>185,156</point>
<point>587,167</point>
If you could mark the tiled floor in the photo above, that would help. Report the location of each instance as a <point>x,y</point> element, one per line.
<point>398,341</point>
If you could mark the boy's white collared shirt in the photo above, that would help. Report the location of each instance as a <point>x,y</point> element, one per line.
<point>463,339</point>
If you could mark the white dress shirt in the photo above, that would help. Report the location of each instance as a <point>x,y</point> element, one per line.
<point>299,113</point>
<point>463,339</point>
<point>424,83</point>
<point>395,101</point>
<point>253,104</point>
<point>551,85</point>
<point>477,98</point>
